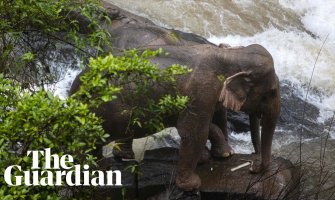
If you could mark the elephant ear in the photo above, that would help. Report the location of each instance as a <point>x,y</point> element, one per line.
<point>235,90</point>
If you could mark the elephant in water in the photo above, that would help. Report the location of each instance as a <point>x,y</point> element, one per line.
<point>250,85</point>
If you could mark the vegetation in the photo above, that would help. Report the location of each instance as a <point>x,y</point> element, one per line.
<point>33,33</point>
<point>38,121</point>
<point>108,75</point>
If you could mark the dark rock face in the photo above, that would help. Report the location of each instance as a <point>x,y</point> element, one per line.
<point>218,181</point>
<point>238,121</point>
<point>156,173</point>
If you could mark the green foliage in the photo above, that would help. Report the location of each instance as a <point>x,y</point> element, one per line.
<point>38,121</point>
<point>108,76</point>
<point>32,30</point>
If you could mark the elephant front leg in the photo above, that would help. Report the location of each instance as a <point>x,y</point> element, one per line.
<point>268,128</point>
<point>220,147</point>
<point>254,130</point>
<point>193,130</point>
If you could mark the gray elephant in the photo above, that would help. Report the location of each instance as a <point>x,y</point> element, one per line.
<point>137,35</point>
<point>250,85</point>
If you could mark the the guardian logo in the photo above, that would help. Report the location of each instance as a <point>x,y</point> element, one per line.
<point>57,169</point>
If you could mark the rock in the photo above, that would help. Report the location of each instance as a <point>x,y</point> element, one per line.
<point>121,17</point>
<point>129,180</point>
<point>238,121</point>
<point>218,182</point>
<point>155,178</point>
<point>168,137</point>
<point>292,111</point>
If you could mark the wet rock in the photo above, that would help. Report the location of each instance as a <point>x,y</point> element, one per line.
<point>294,110</point>
<point>129,180</point>
<point>121,17</point>
<point>156,174</point>
<point>218,182</point>
<point>238,121</point>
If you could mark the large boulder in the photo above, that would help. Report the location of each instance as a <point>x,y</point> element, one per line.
<point>154,178</point>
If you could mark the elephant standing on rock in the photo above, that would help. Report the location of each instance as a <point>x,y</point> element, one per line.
<point>250,85</point>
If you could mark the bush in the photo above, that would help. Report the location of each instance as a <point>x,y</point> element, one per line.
<point>36,35</point>
<point>35,121</point>
<point>108,75</point>
<point>38,121</point>
<point>32,32</point>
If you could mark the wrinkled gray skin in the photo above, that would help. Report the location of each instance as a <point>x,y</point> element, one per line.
<point>250,85</point>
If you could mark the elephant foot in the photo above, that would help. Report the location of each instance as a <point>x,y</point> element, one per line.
<point>188,183</point>
<point>221,151</point>
<point>205,156</point>
<point>178,194</point>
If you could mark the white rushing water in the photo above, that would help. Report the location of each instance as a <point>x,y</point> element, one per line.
<point>62,87</point>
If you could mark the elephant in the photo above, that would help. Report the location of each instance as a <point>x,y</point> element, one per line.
<point>131,36</point>
<point>250,84</point>
<point>127,32</point>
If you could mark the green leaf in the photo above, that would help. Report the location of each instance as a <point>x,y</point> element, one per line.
<point>28,57</point>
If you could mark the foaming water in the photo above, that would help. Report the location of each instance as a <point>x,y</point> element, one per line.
<point>62,87</point>
<point>211,17</point>
<point>241,142</point>
<point>316,16</point>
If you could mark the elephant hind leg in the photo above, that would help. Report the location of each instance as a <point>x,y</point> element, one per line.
<point>124,149</point>
<point>220,147</point>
